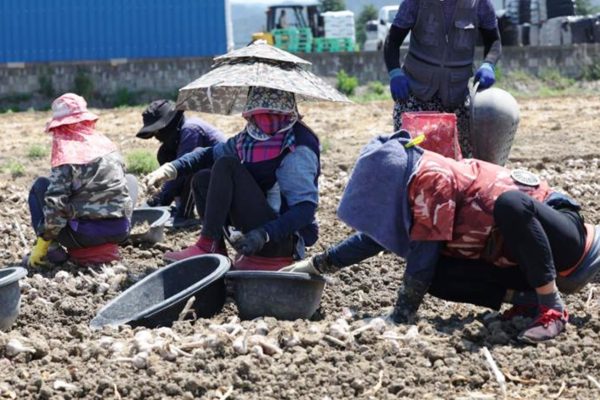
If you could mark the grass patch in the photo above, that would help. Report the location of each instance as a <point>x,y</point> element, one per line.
<point>553,79</point>
<point>36,152</point>
<point>141,162</point>
<point>15,169</point>
<point>592,72</point>
<point>46,86</point>
<point>325,145</point>
<point>374,91</point>
<point>124,97</point>
<point>83,84</point>
<point>346,84</point>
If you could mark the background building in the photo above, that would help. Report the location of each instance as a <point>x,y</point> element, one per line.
<point>74,30</point>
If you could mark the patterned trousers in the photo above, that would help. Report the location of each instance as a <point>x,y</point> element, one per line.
<point>463,116</point>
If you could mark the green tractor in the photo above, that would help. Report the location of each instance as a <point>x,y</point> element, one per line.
<point>299,26</point>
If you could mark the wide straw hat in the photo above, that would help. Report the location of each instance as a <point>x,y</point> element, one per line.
<point>224,89</point>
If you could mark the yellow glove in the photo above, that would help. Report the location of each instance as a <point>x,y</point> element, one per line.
<point>38,252</point>
<point>166,172</point>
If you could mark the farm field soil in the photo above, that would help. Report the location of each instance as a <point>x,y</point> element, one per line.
<point>51,353</point>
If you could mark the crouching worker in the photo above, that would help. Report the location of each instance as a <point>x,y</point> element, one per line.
<point>263,182</point>
<point>85,205</point>
<point>178,136</point>
<point>506,235</point>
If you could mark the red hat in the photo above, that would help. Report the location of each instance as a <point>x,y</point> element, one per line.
<point>69,109</point>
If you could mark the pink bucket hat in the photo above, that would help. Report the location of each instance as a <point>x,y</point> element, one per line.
<point>69,109</point>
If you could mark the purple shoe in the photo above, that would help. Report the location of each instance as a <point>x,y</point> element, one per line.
<point>549,324</point>
<point>56,254</point>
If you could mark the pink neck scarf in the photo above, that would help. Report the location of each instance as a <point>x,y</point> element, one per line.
<point>78,144</point>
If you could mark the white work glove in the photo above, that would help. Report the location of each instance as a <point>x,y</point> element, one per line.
<point>305,265</point>
<point>166,172</point>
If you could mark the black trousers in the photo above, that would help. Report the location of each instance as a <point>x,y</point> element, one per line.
<point>475,282</point>
<point>542,240</point>
<point>227,194</point>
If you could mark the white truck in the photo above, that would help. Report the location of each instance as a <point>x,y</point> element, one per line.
<point>376,31</point>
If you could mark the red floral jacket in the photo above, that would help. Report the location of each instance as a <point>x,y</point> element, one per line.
<point>453,201</point>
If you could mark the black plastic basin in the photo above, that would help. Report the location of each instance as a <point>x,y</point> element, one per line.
<point>283,295</point>
<point>158,299</point>
<point>10,295</point>
<point>155,218</point>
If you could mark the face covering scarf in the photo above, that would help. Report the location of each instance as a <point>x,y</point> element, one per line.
<point>78,143</point>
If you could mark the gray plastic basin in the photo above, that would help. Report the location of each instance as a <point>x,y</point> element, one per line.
<point>283,295</point>
<point>155,217</point>
<point>10,295</point>
<point>158,299</point>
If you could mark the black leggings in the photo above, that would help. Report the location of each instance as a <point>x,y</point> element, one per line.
<point>228,195</point>
<point>542,240</point>
<point>475,282</point>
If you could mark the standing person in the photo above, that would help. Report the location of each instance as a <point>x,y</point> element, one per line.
<point>178,135</point>
<point>450,218</point>
<point>86,203</point>
<point>440,57</point>
<point>263,182</point>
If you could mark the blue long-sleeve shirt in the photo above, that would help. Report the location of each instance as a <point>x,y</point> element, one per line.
<point>193,133</point>
<point>421,259</point>
<point>295,182</point>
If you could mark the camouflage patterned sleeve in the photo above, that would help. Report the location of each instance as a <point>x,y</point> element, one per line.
<point>56,202</point>
<point>433,194</point>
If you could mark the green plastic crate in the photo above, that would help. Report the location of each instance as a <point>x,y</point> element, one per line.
<point>333,44</point>
<point>293,39</point>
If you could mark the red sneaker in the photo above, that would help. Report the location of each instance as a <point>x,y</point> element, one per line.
<point>549,324</point>
<point>204,245</point>
<point>520,310</point>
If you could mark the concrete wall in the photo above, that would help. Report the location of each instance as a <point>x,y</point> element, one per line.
<point>569,60</point>
<point>29,84</point>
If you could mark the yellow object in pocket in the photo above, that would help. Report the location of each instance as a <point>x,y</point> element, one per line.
<point>417,140</point>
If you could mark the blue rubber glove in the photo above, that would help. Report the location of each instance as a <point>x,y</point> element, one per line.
<point>485,75</point>
<point>398,85</point>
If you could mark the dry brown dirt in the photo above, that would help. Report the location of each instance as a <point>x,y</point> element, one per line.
<point>60,357</point>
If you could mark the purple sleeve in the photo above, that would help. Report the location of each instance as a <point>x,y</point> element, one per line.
<point>188,140</point>
<point>487,15</point>
<point>209,135</point>
<point>407,14</point>
<point>198,133</point>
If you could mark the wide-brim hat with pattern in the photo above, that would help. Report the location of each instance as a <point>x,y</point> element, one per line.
<point>69,109</point>
<point>224,89</point>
